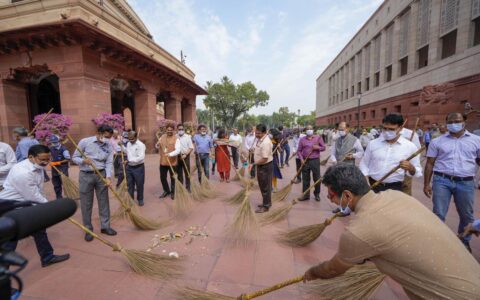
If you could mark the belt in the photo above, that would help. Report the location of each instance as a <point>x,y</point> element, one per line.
<point>453,178</point>
<point>385,184</point>
<point>91,172</point>
<point>135,166</point>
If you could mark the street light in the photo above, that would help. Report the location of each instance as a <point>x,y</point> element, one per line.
<point>359,97</point>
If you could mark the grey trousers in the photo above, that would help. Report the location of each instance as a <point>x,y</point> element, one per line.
<point>88,183</point>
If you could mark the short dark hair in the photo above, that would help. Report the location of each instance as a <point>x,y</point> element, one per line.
<point>133,132</point>
<point>276,134</point>
<point>21,131</point>
<point>201,126</point>
<point>221,133</point>
<point>35,150</point>
<point>248,129</point>
<point>261,127</point>
<point>280,127</point>
<point>170,125</point>
<point>345,176</point>
<point>105,128</point>
<point>393,119</point>
<point>180,124</point>
<point>454,114</point>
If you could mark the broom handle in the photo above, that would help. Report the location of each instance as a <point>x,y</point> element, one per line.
<point>301,166</point>
<point>414,129</point>
<point>271,289</point>
<point>312,186</point>
<point>378,182</point>
<point>108,243</point>
<point>40,122</point>
<point>98,173</point>
<point>123,163</point>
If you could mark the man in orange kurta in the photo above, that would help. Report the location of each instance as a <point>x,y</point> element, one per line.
<point>169,149</point>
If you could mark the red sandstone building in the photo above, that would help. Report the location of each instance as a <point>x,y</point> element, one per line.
<point>84,57</point>
<point>420,58</point>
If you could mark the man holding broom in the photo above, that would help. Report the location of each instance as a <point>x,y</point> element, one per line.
<point>263,158</point>
<point>169,150</point>
<point>203,149</point>
<point>384,153</point>
<point>186,147</point>
<point>99,153</point>
<point>401,237</point>
<point>60,159</point>
<point>135,167</point>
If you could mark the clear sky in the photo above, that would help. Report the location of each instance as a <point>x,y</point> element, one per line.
<point>282,46</point>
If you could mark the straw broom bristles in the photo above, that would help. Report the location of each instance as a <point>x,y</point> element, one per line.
<point>277,214</point>
<point>195,188</point>
<point>207,188</point>
<point>134,216</point>
<point>302,236</point>
<point>183,200</point>
<point>121,212</point>
<point>360,282</point>
<point>142,262</point>
<point>237,198</point>
<point>70,188</point>
<point>244,223</point>
<point>324,161</point>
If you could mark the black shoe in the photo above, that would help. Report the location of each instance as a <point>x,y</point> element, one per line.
<point>108,231</point>
<point>297,181</point>
<point>55,259</point>
<point>140,203</point>
<point>467,245</point>
<point>317,198</point>
<point>165,194</point>
<point>304,199</point>
<point>287,165</point>
<point>88,237</point>
<point>172,195</point>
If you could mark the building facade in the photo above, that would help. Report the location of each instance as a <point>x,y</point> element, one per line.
<point>420,58</point>
<point>85,57</point>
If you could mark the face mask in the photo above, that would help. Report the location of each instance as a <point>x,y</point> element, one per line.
<point>181,132</point>
<point>55,145</point>
<point>102,139</point>
<point>389,135</point>
<point>133,142</point>
<point>203,133</point>
<point>455,127</point>
<point>345,209</point>
<point>270,136</point>
<point>125,141</point>
<point>39,166</point>
<point>342,133</point>
<point>310,132</point>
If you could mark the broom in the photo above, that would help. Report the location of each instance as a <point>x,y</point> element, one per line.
<point>283,193</point>
<point>138,220</point>
<point>360,278</point>
<point>306,234</point>
<point>70,188</point>
<point>194,186</point>
<point>240,172</point>
<point>358,283</point>
<point>142,262</point>
<point>240,177</point>
<point>324,162</point>
<point>244,222</point>
<point>121,213</point>
<point>183,200</point>
<point>40,122</point>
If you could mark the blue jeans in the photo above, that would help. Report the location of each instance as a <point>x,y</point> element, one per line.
<point>463,195</point>
<point>203,161</point>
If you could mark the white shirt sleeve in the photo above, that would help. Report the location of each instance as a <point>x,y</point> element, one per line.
<point>27,186</point>
<point>332,153</point>
<point>136,157</point>
<point>10,160</point>
<point>364,163</point>
<point>177,151</point>
<point>358,149</point>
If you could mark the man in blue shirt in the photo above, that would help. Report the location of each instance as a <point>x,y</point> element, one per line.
<point>24,142</point>
<point>452,160</point>
<point>99,153</point>
<point>60,159</point>
<point>203,149</point>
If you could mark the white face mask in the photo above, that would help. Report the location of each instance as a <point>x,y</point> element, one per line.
<point>203,133</point>
<point>310,132</point>
<point>342,132</point>
<point>39,167</point>
<point>270,136</point>
<point>389,135</point>
<point>181,132</point>
<point>102,139</point>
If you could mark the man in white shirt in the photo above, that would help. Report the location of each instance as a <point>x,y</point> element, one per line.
<point>374,132</point>
<point>7,161</point>
<point>135,166</point>
<point>186,147</point>
<point>24,183</point>
<point>235,141</point>
<point>387,152</point>
<point>249,147</point>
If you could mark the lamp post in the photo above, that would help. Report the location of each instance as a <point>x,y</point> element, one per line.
<point>359,97</point>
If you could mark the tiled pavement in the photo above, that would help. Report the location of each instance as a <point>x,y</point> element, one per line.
<point>95,272</point>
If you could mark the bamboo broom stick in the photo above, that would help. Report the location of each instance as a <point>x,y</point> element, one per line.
<point>40,122</point>
<point>195,187</point>
<point>70,188</point>
<point>139,221</point>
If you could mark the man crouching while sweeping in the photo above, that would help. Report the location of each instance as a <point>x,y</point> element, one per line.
<point>404,240</point>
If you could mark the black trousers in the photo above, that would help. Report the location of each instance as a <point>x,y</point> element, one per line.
<point>184,172</point>
<point>235,156</point>
<point>298,163</point>
<point>264,177</point>
<point>136,178</point>
<point>311,166</point>
<point>57,181</point>
<point>164,171</point>
<point>252,170</point>
<point>397,186</point>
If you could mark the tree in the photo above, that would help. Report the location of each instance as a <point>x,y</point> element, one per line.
<point>283,117</point>
<point>203,116</point>
<point>228,101</point>
<point>247,121</point>
<point>265,119</point>
<point>305,120</point>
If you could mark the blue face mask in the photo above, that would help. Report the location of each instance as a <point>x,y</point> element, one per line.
<point>346,209</point>
<point>455,127</point>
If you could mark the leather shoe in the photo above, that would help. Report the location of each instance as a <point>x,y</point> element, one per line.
<point>165,194</point>
<point>297,181</point>
<point>336,210</point>
<point>304,199</point>
<point>261,210</point>
<point>88,237</point>
<point>317,198</point>
<point>108,231</point>
<point>55,259</point>
<point>140,203</point>
<point>172,195</point>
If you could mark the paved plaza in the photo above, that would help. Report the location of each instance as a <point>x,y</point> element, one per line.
<point>95,272</point>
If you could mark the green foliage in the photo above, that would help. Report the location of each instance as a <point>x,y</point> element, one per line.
<point>247,120</point>
<point>203,116</point>
<point>283,117</point>
<point>305,120</point>
<point>228,101</point>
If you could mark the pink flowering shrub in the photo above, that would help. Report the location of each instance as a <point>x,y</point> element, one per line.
<point>162,125</point>
<point>54,124</point>
<point>116,121</point>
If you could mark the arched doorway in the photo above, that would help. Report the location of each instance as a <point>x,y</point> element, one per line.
<point>43,95</point>
<point>123,99</point>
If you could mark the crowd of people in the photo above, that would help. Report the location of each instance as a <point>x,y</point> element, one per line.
<point>453,157</point>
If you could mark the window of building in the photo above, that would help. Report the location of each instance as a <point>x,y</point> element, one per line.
<point>372,114</point>
<point>367,84</point>
<point>414,104</point>
<point>422,57</point>
<point>449,44</point>
<point>352,91</point>
<point>349,118</point>
<point>356,116</point>
<point>345,118</point>
<point>404,66</point>
<point>388,74</point>
<point>398,108</point>
<point>364,115</point>
<point>384,112</point>
<point>346,94</point>
<point>377,79</point>
<point>476,31</point>
<point>341,96</point>
<point>359,87</point>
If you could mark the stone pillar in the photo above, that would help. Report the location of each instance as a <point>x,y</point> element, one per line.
<point>13,109</point>
<point>189,111</point>
<point>145,117</point>
<point>434,47</point>
<point>395,47</point>
<point>463,28</point>
<point>173,108</point>
<point>83,98</point>
<point>412,38</point>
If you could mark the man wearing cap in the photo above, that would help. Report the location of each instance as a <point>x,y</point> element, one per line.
<point>60,159</point>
